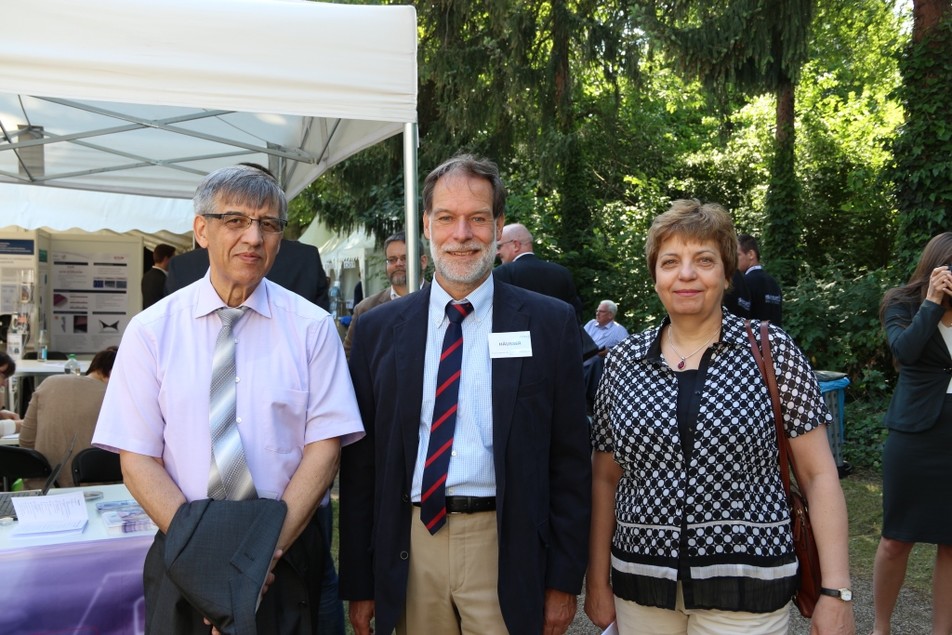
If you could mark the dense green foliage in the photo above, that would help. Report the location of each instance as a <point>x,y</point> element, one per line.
<point>923,149</point>
<point>599,114</point>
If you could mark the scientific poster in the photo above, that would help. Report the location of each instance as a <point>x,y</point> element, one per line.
<point>90,293</point>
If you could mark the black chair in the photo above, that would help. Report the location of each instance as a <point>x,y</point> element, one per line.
<point>21,463</point>
<point>94,465</point>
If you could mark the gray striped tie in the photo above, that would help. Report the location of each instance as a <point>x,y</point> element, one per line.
<point>229,478</point>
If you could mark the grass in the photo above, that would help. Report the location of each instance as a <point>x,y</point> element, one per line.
<point>864,502</point>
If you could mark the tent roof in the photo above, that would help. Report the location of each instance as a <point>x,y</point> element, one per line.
<point>145,98</point>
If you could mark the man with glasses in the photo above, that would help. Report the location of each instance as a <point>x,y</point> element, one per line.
<point>395,249</point>
<point>291,407</point>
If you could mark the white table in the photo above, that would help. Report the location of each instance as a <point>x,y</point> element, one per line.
<point>35,368</point>
<point>86,583</point>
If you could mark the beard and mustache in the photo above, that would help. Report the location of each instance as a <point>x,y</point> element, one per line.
<point>464,272</point>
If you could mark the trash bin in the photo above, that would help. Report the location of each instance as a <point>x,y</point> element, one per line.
<point>833,388</point>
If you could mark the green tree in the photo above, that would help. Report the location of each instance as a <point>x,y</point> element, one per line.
<point>753,46</point>
<point>923,150</point>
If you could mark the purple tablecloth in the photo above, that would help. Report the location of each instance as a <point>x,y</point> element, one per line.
<point>84,588</point>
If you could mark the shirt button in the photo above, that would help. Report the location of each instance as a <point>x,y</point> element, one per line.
<point>237,379</point>
<point>453,453</point>
<point>237,419</point>
<point>404,555</point>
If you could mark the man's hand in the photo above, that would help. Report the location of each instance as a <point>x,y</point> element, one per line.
<point>360,613</point>
<point>559,611</point>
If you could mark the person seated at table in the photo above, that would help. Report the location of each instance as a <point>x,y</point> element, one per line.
<point>63,406</point>
<point>9,421</point>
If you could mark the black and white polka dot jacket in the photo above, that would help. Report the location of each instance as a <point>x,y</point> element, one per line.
<point>717,521</point>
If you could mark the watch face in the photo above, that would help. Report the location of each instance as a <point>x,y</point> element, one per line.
<point>846,595</point>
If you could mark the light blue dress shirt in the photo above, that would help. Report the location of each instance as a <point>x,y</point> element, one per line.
<point>471,471</point>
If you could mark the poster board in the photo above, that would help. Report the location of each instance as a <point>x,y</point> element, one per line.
<point>94,291</point>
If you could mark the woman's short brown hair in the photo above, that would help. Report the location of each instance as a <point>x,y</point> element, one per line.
<point>693,221</point>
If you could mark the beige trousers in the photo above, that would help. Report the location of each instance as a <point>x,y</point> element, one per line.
<point>635,619</point>
<point>451,589</point>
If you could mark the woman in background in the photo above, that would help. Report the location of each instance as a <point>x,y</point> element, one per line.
<point>690,522</point>
<point>66,405</point>
<point>917,457</point>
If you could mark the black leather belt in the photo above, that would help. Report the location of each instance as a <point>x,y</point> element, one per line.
<point>469,504</point>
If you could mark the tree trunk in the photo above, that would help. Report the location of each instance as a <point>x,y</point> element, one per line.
<point>782,232</point>
<point>926,15</point>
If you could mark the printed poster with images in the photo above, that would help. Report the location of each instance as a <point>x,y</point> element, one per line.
<point>89,298</point>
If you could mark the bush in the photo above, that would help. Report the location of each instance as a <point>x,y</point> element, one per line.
<point>834,318</point>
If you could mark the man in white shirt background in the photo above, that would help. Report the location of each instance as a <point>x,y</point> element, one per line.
<point>605,332</point>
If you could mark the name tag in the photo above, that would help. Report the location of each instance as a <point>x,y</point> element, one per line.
<point>515,344</point>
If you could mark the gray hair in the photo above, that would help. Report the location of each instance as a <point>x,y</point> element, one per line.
<point>611,306</point>
<point>240,185</point>
<point>467,165</point>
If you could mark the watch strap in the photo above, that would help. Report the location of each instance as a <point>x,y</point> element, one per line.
<point>838,593</point>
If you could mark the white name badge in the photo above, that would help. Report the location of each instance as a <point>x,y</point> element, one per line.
<point>515,344</point>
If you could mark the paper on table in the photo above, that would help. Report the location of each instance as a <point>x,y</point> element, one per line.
<point>52,514</point>
<point>611,630</point>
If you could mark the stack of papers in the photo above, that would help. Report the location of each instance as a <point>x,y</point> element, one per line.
<point>54,514</point>
<point>124,517</point>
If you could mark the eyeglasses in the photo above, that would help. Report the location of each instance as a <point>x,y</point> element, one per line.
<point>239,222</point>
<point>392,260</point>
<point>499,245</point>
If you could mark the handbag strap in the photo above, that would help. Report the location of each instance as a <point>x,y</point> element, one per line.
<point>765,362</point>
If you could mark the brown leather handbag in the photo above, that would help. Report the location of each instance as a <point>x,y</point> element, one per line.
<point>803,542</point>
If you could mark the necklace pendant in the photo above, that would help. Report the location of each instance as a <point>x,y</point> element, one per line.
<point>681,364</point>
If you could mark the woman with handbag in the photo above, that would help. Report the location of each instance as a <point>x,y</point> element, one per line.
<point>690,522</point>
<point>917,457</point>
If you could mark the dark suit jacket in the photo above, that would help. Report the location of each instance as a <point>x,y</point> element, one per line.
<point>297,268</point>
<point>547,278</point>
<point>362,307</point>
<point>925,366</point>
<point>737,298</point>
<point>766,298</point>
<point>212,564</point>
<point>540,447</point>
<point>153,287</point>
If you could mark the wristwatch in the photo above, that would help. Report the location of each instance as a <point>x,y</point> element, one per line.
<point>843,594</point>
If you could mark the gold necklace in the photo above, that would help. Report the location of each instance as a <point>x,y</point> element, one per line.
<point>684,358</point>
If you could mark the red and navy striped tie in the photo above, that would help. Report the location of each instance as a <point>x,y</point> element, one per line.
<point>443,424</point>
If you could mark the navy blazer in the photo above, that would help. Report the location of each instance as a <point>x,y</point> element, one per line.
<point>548,278</point>
<point>925,366</point>
<point>541,454</point>
<point>297,268</point>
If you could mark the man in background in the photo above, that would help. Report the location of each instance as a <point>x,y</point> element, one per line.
<point>395,250</point>
<point>153,282</point>
<point>605,332</point>
<point>604,329</point>
<point>523,268</point>
<point>766,299</point>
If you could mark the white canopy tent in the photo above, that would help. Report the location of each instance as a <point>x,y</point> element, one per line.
<point>137,100</point>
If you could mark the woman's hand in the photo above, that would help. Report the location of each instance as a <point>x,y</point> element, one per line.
<point>940,285</point>
<point>832,616</point>
<point>599,604</point>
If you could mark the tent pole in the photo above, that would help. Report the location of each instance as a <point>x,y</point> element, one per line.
<point>410,142</point>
